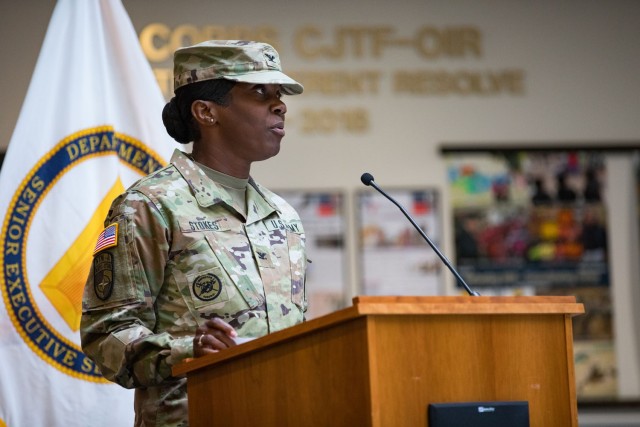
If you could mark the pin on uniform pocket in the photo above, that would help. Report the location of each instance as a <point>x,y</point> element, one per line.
<point>207,287</point>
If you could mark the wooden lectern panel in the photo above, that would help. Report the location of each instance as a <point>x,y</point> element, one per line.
<point>380,363</point>
<point>304,382</point>
<point>461,358</point>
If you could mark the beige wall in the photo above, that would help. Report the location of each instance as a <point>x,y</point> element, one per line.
<point>549,72</point>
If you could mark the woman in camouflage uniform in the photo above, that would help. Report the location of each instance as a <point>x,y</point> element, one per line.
<point>198,254</point>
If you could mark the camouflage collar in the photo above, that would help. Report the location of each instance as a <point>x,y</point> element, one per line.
<point>207,192</point>
<point>259,206</point>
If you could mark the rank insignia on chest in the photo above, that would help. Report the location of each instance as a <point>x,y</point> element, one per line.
<point>107,239</point>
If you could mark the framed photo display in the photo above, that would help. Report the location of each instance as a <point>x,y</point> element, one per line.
<point>536,221</point>
<point>394,258</point>
<point>323,218</point>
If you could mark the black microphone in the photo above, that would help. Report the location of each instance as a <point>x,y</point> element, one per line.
<point>367,179</point>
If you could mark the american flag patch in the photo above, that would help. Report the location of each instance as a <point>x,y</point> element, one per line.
<point>107,239</point>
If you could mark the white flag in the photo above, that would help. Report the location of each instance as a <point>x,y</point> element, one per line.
<point>90,126</point>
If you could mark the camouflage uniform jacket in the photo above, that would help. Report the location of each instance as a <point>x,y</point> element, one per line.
<point>182,254</point>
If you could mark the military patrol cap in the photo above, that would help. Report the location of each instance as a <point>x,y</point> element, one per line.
<point>237,60</point>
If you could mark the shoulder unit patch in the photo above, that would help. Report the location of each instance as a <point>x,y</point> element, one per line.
<point>103,275</point>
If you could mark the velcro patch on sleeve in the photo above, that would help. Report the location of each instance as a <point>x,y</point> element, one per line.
<point>107,239</point>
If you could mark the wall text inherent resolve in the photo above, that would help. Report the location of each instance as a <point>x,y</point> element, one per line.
<point>356,61</point>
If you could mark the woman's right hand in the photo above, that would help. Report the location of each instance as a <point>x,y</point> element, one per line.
<point>213,336</point>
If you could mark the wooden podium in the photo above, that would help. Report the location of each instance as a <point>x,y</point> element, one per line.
<point>381,361</point>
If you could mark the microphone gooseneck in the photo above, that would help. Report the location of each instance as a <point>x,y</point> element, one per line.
<point>367,179</point>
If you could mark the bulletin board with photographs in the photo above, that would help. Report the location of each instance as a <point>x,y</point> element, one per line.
<point>394,258</point>
<point>323,218</point>
<point>534,223</point>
